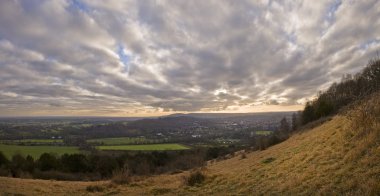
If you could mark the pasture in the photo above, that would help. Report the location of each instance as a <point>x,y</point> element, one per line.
<point>122,141</point>
<point>36,151</point>
<point>41,140</point>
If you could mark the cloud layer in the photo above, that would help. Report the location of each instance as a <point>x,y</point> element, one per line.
<point>85,57</point>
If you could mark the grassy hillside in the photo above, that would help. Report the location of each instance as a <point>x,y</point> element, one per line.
<point>341,156</point>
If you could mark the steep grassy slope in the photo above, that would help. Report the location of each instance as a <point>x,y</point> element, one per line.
<point>342,156</point>
<point>322,160</point>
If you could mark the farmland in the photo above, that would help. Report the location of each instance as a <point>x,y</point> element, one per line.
<point>123,141</point>
<point>148,147</point>
<point>36,151</point>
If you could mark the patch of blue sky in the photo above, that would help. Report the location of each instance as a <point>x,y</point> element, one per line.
<point>79,5</point>
<point>124,58</point>
<point>50,59</point>
<point>329,16</point>
<point>369,43</point>
<point>291,37</point>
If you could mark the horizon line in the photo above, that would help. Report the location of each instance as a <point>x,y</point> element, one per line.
<point>84,116</point>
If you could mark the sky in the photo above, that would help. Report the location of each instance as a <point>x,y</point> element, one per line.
<point>149,58</point>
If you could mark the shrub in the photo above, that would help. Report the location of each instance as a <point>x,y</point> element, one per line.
<point>103,164</point>
<point>95,188</point>
<point>268,160</point>
<point>4,171</point>
<point>47,162</point>
<point>3,160</point>
<point>194,178</point>
<point>56,175</point>
<point>75,163</point>
<point>121,176</point>
<point>160,191</point>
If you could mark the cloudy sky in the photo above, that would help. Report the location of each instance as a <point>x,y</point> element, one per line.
<point>146,57</point>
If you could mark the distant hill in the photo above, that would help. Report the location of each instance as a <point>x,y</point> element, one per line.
<point>210,121</point>
<point>230,115</point>
<point>168,123</point>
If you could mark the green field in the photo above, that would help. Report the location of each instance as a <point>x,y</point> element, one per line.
<point>147,147</point>
<point>122,141</point>
<point>263,133</point>
<point>41,140</point>
<point>36,151</point>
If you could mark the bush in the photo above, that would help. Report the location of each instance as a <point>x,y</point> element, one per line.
<point>75,163</point>
<point>105,165</point>
<point>121,176</point>
<point>268,160</point>
<point>94,188</point>
<point>196,177</point>
<point>3,160</point>
<point>47,162</point>
<point>4,172</point>
<point>160,191</point>
<point>56,175</point>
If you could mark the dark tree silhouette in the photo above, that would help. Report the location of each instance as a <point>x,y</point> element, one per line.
<point>284,125</point>
<point>349,90</point>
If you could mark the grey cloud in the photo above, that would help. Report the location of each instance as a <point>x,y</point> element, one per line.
<point>181,55</point>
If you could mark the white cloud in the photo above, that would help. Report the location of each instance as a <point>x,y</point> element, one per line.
<point>64,55</point>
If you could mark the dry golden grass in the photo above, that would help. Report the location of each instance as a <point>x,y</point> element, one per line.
<point>319,161</point>
<point>143,186</point>
<point>330,159</point>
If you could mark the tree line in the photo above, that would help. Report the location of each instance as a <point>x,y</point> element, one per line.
<point>349,90</point>
<point>99,165</point>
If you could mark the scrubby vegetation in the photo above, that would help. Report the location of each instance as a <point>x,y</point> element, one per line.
<point>107,165</point>
<point>195,177</point>
<point>95,188</point>
<point>121,176</point>
<point>366,117</point>
<point>268,160</point>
